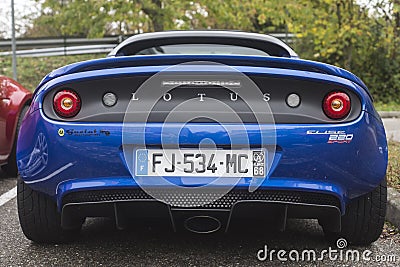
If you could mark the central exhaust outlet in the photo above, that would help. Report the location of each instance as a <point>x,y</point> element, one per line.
<point>202,224</point>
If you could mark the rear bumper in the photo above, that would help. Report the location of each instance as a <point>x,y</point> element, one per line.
<point>89,156</point>
<point>285,190</point>
<point>129,204</point>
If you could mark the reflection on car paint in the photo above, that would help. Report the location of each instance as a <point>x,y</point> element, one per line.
<point>36,161</point>
<point>63,168</point>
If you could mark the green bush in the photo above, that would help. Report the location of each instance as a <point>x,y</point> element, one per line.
<point>31,70</point>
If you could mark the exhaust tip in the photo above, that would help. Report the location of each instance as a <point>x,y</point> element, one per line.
<point>202,224</point>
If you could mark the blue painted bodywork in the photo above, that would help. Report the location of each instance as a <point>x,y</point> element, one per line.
<point>303,162</point>
<point>154,61</point>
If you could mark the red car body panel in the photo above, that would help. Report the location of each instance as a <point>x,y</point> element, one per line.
<point>13,97</point>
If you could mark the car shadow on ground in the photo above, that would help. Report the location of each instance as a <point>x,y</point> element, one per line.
<point>101,242</point>
<point>3,175</point>
<point>98,229</point>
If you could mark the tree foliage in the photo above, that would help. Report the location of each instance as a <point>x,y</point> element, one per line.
<point>363,38</point>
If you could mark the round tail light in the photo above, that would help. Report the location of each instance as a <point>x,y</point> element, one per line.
<point>67,103</point>
<point>337,105</point>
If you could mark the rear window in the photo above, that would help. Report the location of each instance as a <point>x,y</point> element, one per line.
<point>201,49</point>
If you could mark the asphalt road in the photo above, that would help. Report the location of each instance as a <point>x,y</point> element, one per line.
<point>100,244</point>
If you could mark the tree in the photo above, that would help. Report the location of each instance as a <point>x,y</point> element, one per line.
<point>69,17</point>
<point>119,17</point>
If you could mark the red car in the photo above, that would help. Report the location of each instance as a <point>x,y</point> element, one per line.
<point>14,102</point>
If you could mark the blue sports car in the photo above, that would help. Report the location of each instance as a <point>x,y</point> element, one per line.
<point>202,128</point>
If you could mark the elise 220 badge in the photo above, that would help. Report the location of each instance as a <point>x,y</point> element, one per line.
<point>338,137</point>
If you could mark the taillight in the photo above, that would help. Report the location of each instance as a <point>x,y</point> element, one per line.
<point>67,103</point>
<point>337,105</point>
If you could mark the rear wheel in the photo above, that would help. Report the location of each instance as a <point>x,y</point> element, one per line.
<point>11,168</point>
<point>363,221</point>
<point>39,218</point>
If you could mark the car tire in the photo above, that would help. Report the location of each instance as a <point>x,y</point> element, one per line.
<point>363,221</point>
<point>11,167</point>
<point>39,218</point>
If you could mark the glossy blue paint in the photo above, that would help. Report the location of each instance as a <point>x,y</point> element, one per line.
<point>302,161</point>
<point>234,60</point>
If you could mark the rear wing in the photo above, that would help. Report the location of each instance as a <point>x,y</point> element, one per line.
<point>266,43</point>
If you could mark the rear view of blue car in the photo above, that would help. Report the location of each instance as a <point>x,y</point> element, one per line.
<point>202,128</point>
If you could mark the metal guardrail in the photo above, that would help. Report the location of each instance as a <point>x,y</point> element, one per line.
<point>60,42</point>
<point>62,51</point>
<point>77,46</point>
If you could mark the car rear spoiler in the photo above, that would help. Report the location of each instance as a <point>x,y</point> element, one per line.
<point>236,60</point>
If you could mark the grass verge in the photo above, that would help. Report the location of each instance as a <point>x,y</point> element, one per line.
<point>393,171</point>
<point>391,106</point>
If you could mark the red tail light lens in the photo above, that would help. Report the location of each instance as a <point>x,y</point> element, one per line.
<point>337,105</point>
<point>67,103</point>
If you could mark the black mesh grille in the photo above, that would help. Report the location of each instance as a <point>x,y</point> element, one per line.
<point>190,199</point>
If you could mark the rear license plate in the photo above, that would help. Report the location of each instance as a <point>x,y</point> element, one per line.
<point>204,162</point>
